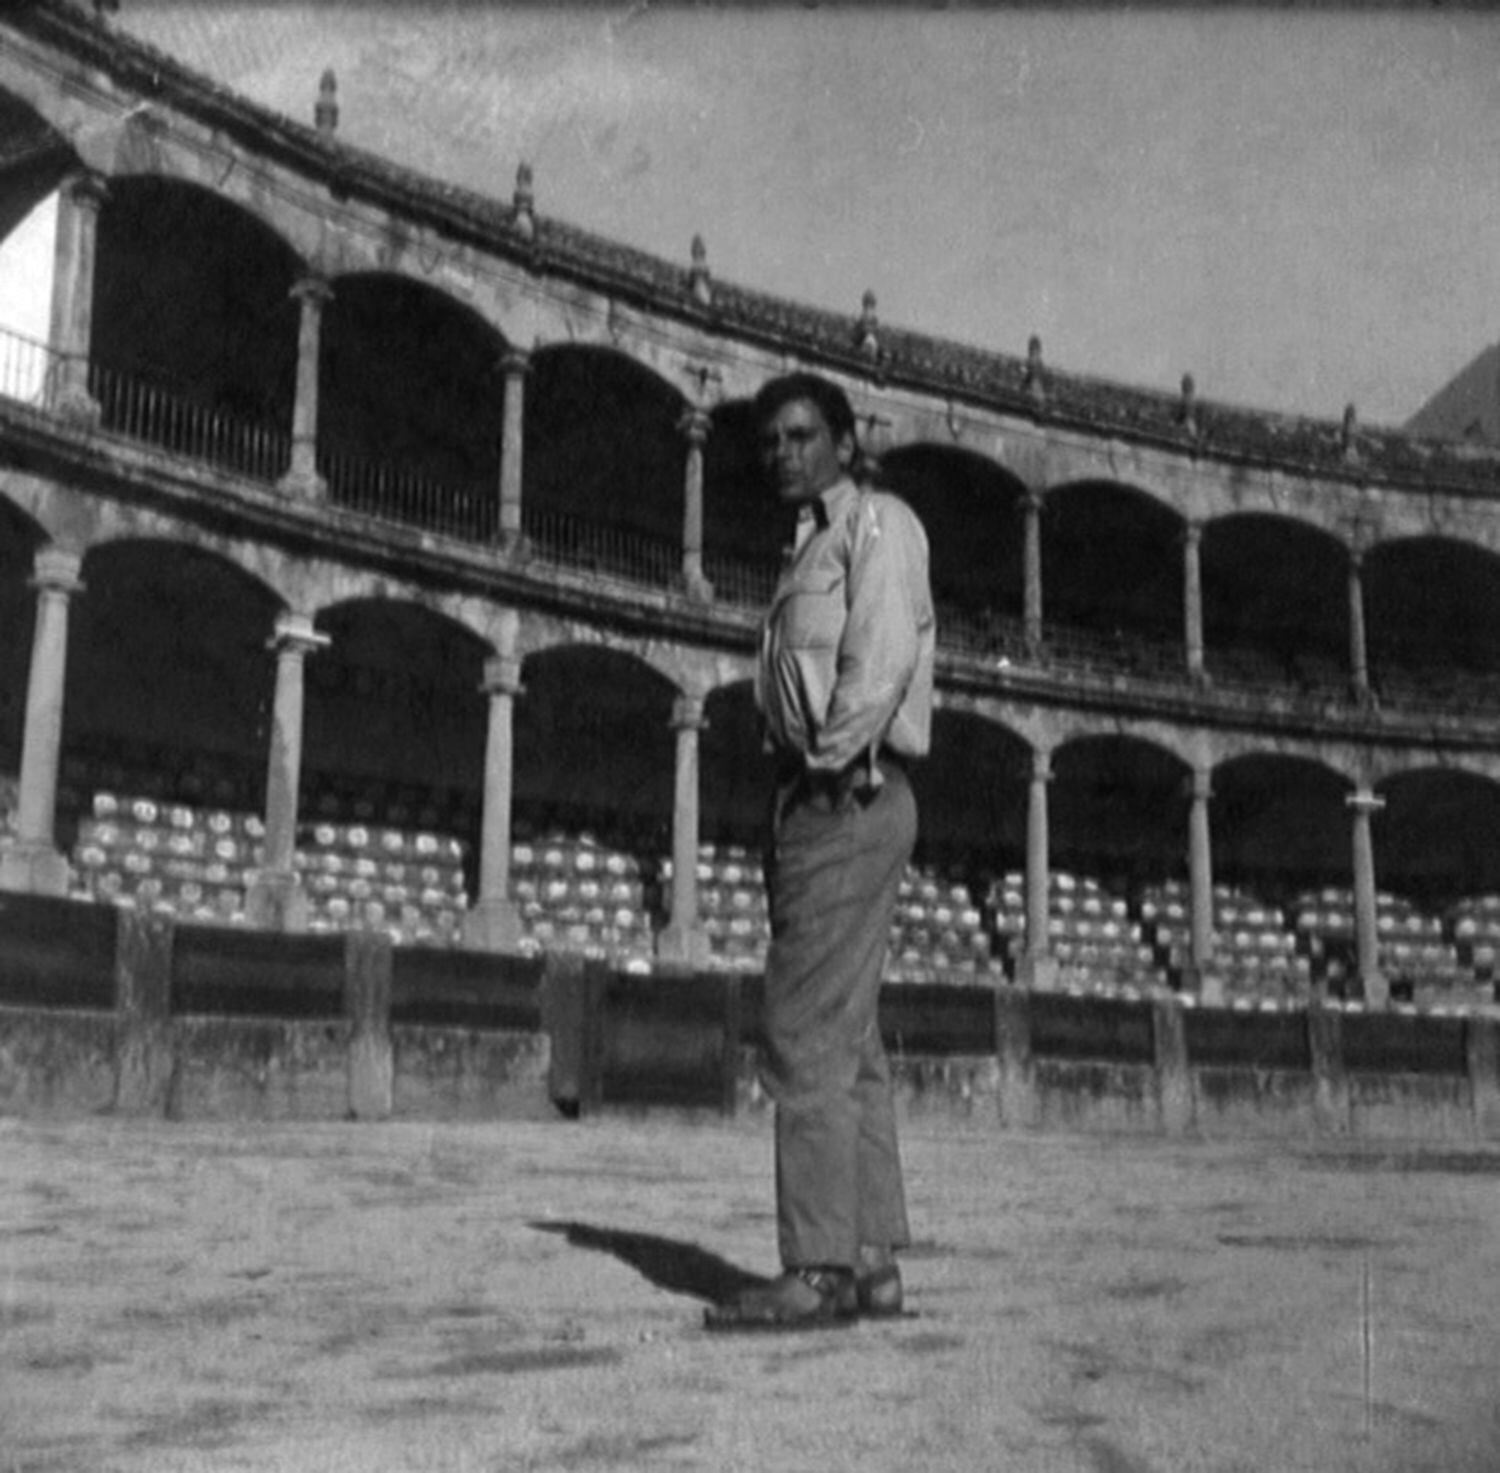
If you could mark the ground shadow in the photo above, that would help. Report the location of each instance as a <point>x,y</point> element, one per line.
<point>681,1268</point>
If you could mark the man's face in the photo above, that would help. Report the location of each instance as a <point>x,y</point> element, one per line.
<point>799,452</point>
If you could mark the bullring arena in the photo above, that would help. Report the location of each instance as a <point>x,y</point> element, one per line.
<point>380,566</point>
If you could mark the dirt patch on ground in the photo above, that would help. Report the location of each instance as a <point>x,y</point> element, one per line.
<point>528,1295</point>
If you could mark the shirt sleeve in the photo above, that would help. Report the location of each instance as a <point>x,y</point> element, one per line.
<point>889,604</point>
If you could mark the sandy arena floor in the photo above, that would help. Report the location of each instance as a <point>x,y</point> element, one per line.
<point>529,1295</point>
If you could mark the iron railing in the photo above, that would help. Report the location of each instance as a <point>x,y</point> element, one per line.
<point>26,369</point>
<point>393,493</point>
<point>172,420</point>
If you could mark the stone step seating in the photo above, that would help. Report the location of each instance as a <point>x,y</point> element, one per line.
<point>1417,955</point>
<point>576,893</point>
<point>940,932</point>
<point>1255,950</point>
<point>365,876</point>
<point>1097,944</point>
<point>196,864</point>
<point>170,857</point>
<point>1474,927</point>
<point>732,906</point>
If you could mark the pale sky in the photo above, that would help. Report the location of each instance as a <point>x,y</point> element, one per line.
<point>1301,207</point>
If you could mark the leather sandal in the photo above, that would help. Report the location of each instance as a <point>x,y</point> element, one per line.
<point>878,1291</point>
<point>801,1299</point>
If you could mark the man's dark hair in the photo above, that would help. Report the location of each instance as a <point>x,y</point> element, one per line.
<point>832,402</point>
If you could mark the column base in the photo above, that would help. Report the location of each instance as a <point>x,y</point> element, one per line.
<point>78,406</point>
<point>276,901</point>
<point>306,485</point>
<point>1039,973</point>
<point>1205,984</point>
<point>1376,987</point>
<point>683,948</point>
<point>492,925</point>
<point>34,867</point>
<point>697,587</point>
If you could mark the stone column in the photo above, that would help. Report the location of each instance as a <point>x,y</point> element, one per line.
<point>78,204</point>
<point>1363,802</point>
<point>515,365</point>
<point>31,860</point>
<point>694,426</point>
<point>1192,598</point>
<point>1359,664</point>
<point>493,922</point>
<point>275,898</point>
<point>302,477</point>
<point>684,943</point>
<point>1202,976</point>
<point>1032,570</point>
<point>1038,966</point>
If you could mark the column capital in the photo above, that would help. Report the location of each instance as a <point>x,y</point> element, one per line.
<point>312,286</point>
<point>1041,764</point>
<point>294,633</point>
<point>687,713</point>
<point>695,424</point>
<point>1200,784</point>
<point>1192,533</point>
<point>502,676</point>
<point>56,569</point>
<point>1364,800</point>
<point>515,362</point>
<point>87,188</point>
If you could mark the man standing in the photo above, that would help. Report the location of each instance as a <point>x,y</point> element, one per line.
<point>844,687</point>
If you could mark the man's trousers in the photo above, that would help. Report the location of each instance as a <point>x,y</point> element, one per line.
<point>833,870</point>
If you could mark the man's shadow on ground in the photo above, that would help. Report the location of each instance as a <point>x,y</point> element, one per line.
<point>681,1268</point>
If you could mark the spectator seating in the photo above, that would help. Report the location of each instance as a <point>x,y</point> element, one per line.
<point>1255,951</point>
<point>576,893</point>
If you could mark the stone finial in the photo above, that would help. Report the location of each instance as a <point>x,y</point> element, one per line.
<point>699,281</point>
<point>1036,373</point>
<point>326,112</point>
<point>523,202</point>
<point>1187,408</point>
<point>867,329</point>
<point>1348,432</point>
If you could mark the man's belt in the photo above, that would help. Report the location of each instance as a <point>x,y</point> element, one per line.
<point>832,789</point>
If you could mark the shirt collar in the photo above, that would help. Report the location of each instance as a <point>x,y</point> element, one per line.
<point>826,505</point>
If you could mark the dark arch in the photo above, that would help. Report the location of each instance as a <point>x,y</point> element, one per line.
<point>192,293</point>
<point>1280,825</point>
<point>1275,599</point>
<point>169,679</point>
<point>735,772</point>
<point>1118,810</point>
<point>411,383</point>
<point>604,444</point>
<point>745,527</point>
<point>1432,612</point>
<point>1435,838</point>
<point>972,510</point>
<point>595,747</point>
<point>395,721</point>
<point>1112,561</point>
<point>971,795</point>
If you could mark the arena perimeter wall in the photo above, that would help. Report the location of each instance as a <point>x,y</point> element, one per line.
<point>114,1010</point>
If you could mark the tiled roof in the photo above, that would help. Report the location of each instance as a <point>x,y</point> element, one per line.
<point>1217,431</point>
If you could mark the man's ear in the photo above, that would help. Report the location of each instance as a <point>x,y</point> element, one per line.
<point>845,450</point>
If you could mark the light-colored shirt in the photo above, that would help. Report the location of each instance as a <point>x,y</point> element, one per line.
<point>846,648</point>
